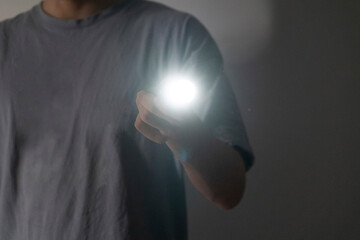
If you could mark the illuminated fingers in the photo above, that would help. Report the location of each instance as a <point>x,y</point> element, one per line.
<point>146,103</point>
<point>153,120</point>
<point>161,124</point>
<point>148,131</point>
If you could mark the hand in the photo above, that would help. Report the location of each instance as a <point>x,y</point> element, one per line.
<point>214,168</point>
<point>160,124</point>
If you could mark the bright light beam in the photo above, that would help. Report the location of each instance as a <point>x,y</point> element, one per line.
<point>178,91</point>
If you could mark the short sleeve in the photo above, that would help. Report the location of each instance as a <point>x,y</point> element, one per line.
<point>217,106</point>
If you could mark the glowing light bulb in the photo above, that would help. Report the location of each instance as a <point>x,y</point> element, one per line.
<point>178,91</point>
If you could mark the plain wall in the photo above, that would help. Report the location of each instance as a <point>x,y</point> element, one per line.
<point>295,68</point>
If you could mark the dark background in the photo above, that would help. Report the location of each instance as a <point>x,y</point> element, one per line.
<point>295,68</point>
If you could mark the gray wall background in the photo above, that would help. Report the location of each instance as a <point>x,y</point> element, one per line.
<point>295,68</point>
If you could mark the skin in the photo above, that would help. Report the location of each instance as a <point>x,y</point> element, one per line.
<point>214,168</point>
<point>75,9</point>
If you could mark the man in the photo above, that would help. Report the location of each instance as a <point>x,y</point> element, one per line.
<point>87,150</point>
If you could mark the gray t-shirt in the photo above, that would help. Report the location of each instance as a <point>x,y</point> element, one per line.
<point>72,164</point>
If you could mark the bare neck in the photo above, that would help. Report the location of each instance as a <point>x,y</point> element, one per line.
<point>75,9</point>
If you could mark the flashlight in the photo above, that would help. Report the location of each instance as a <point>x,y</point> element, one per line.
<point>178,91</point>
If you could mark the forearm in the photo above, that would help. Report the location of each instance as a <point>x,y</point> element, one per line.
<point>213,167</point>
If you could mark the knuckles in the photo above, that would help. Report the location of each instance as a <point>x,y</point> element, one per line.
<point>146,116</point>
<point>139,124</point>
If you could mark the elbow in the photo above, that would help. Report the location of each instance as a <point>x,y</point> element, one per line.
<point>228,204</point>
<point>229,201</point>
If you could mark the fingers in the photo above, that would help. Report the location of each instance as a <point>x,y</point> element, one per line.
<point>148,131</point>
<point>146,101</point>
<point>154,121</point>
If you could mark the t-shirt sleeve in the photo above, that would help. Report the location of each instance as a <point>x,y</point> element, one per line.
<point>216,106</point>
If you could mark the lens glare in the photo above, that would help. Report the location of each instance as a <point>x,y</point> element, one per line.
<point>178,91</point>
